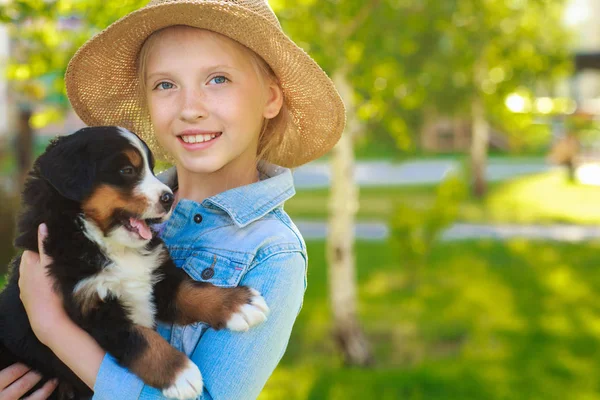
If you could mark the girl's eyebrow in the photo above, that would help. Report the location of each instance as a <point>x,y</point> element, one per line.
<point>207,68</point>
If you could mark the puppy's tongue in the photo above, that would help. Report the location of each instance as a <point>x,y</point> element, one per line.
<point>141,227</point>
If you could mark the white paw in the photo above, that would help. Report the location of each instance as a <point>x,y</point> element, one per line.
<point>249,315</point>
<point>188,383</point>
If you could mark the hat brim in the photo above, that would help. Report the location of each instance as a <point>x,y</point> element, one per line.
<point>102,83</point>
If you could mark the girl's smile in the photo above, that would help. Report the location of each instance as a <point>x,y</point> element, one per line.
<point>195,139</point>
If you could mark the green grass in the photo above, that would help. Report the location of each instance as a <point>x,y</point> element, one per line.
<point>485,320</point>
<point>375,203</point>
<point>540,198</point>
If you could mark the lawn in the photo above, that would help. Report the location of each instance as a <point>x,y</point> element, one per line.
<point>375,203</point>
<point>540,198</point>
<point>486,320</point>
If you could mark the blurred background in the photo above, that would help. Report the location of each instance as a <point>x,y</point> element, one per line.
<point>453,233</point>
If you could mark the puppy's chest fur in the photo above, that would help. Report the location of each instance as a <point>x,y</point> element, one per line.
<point>129,276</point>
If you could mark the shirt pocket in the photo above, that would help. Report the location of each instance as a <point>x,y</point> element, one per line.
<point>219,270</point>
<point>225,273</point>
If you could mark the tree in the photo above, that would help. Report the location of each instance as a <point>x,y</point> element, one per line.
<point>356,45</point>
<point>469,55</point>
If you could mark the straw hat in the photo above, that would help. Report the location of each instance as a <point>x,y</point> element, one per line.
<point>102,82</point>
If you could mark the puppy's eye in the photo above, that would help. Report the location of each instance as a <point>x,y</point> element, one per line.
<point>126,171</point>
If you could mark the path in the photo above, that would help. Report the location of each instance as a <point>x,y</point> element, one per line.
<point>380,173</point>
<point>377,231</point>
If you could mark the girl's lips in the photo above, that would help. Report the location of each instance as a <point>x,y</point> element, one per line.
<point>198,146</point>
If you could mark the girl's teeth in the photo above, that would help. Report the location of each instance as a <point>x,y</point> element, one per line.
<point>198,138</point>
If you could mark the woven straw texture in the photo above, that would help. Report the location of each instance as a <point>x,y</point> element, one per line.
<point>103,89</point>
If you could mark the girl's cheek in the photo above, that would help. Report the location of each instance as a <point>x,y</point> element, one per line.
<point>158,112</point>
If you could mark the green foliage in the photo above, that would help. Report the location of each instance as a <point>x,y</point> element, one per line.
<point>45,35</point>
<point>405,56</point>
<point>415,228</point>
<point>529,135</point>
<point>584,127</point>
<point>399,55</point>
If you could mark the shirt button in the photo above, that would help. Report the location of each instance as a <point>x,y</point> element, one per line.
<point>208,273</point>
<point>197,218</point>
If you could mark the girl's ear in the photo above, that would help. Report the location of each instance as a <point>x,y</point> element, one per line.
<point>274,101</point>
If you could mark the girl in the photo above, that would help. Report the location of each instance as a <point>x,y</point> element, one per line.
<point>216,88</point>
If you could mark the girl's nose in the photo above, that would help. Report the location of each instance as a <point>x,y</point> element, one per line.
<point>193,106</point>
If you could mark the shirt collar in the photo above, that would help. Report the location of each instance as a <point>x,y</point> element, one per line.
<point>248,203</point>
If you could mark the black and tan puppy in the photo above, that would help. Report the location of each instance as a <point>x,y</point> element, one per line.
<point>97,194</point>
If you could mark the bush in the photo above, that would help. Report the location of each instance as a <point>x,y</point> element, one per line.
<point>416,227</point>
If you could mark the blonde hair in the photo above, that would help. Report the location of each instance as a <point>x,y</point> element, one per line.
<point>272,130</point>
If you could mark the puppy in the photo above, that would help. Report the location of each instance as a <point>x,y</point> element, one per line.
<point>98,196</point>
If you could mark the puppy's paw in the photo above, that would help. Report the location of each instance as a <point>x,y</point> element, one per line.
<point>250,314</point>
<point>187,383</point>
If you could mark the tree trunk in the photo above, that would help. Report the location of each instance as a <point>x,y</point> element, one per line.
<point>479,147</point>
<point>429,137</point>
<point>343,205</point>
<point>24,146</point>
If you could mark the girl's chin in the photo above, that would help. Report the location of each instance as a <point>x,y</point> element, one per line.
<point>204,166</point>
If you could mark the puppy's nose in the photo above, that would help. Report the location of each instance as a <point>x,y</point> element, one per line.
<point>166,200</point>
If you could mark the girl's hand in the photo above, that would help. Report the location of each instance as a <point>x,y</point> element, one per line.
<point>18,379</point>
<point>43,305</point>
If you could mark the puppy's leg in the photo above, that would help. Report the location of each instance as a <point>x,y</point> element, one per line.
<point>145,353</point>
<point>182,300</point>
<point>161,366</point>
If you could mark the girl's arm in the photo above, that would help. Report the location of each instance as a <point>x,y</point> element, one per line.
<point>234,365</point>
<point>49,321</point>
<point>76,348</point>
<point>237,365</point>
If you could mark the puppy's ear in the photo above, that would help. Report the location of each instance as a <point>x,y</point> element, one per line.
<point>68,166</point>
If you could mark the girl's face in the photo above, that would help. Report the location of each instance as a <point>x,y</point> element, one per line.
<point>206,100</point>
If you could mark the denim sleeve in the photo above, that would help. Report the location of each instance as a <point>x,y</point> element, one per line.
<point>116,382</point>
<point>234,365</point>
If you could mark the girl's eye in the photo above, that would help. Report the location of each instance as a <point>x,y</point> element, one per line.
<point>164,86</point>
<point>219,79</point>
<point>126,171</point>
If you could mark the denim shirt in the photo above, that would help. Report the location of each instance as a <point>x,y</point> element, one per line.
<point>256,244</point>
